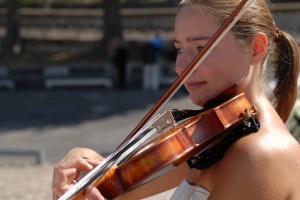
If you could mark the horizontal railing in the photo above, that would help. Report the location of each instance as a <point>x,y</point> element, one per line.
<point>94,12</point>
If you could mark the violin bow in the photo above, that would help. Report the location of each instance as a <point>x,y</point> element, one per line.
<point>212,43</point>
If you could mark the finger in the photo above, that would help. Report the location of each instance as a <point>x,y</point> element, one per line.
<point>61,191</point>
<point>92,193</point>
<point>87,167</point>
<point>64,175</point>
<point>77,153</point>
<point>63,180</point>
<point>71,162</point>
<point>88,163</point>
<point>71,170</point>
<point>55,196</point>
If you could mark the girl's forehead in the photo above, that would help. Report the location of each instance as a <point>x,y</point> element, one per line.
<point>195,14</point>
<point>192,19</point>
<point>190,10</point>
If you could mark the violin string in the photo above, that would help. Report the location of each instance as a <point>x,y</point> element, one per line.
<point>118,156</point>
<point>230,22</point>
<point>135,136</point>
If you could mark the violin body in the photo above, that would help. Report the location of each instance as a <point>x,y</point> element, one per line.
<point>177,144</point>
<point>172,147</point>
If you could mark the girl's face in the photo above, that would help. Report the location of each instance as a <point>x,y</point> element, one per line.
<point>226,65</point>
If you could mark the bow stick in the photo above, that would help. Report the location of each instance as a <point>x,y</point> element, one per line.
<point>212,43</point>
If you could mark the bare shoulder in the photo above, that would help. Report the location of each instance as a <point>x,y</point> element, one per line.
<point>263,165</point>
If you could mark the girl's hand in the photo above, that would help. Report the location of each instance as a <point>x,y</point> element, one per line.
<point>67,172</point>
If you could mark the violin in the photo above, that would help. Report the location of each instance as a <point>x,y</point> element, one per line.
<point>172,147</point>
<point>142,155</point>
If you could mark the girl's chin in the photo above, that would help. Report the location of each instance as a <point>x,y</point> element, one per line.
<point>198,102</point>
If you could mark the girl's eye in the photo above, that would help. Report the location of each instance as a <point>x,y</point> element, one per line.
<point>200,48</point>
<point>178,50</point>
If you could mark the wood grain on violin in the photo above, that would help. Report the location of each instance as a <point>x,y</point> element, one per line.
<point>172,147</point>
<point>178,144</point>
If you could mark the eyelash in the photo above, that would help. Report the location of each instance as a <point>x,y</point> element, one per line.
<point>200,48</point>
<point>179,50</point>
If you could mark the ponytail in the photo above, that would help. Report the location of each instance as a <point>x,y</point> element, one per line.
<point>286,73</point>
<point>283,51</point>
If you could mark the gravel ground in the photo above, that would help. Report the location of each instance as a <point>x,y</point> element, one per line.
<point>23,179</point>
<point>56,121</point>
<point>32,182</point>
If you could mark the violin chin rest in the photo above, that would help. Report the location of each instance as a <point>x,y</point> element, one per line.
<point>223,97</point>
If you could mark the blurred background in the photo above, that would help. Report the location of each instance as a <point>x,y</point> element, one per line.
<point>72,74</point>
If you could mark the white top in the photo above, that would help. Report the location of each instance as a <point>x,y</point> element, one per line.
<point>185,191</point>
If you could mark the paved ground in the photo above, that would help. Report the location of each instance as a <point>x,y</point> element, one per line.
<point>52,122</point>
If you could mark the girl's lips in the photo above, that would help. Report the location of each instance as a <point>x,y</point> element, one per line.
<point>194,85</point>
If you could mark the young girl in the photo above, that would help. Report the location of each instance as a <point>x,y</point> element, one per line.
<point>264,165</point>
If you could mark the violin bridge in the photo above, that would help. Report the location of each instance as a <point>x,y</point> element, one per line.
<point>164,121</point>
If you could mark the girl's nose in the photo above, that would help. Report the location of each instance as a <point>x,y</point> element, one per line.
<point>182,62</point>
<point>179,68</point>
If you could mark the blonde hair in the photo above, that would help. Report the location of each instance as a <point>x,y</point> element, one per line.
<point>283,51</point>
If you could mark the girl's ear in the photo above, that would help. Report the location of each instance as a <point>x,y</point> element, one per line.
<point>259,48</point>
